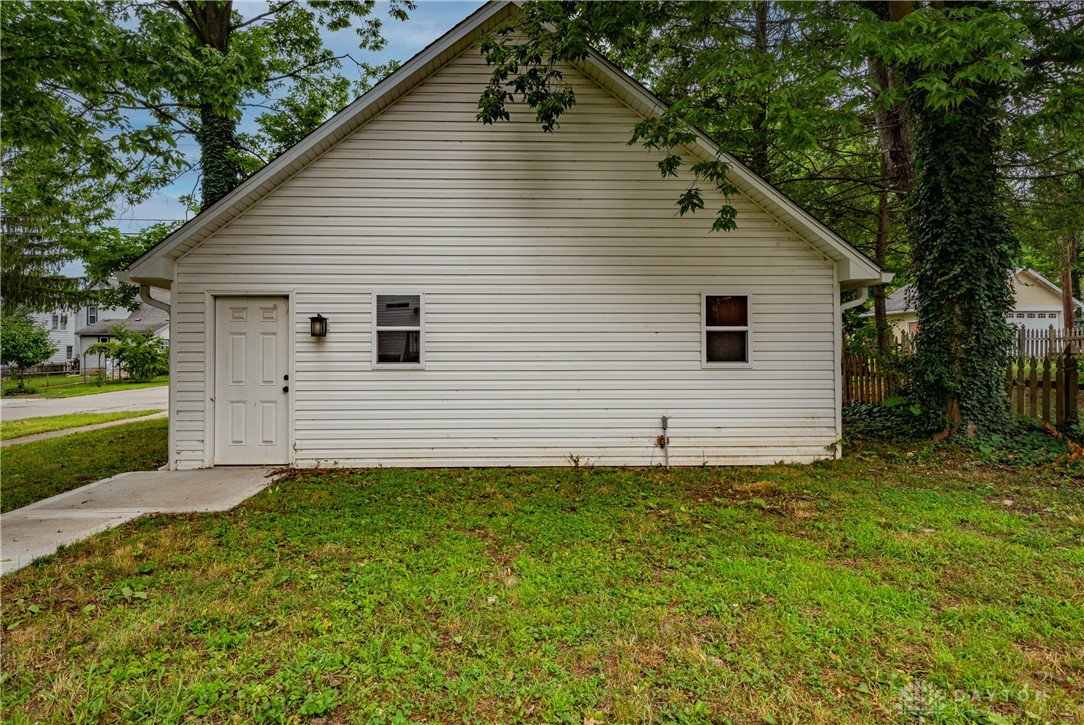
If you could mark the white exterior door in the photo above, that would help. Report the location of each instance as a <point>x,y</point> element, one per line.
<point>251,380</point>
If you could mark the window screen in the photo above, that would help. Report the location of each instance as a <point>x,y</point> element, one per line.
<point>398,329</point>
<point>726,329</point>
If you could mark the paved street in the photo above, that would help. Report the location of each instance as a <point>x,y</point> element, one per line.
<point>140,399</point>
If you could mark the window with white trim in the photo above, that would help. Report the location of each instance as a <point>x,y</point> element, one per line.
<point>398,330</point>
<point>63,322</point>
<point>56,321</point>
<point>92,314</point>
<point>726,330</point>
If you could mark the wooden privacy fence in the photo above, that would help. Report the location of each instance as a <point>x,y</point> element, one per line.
<point>1045,388</point>
<point>868,380</point>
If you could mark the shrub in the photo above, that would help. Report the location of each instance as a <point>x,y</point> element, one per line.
<point>896,419</point>
<point>142,354</point>
<point>24,344</point>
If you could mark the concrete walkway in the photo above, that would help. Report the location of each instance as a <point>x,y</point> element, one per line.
<point>38,529</point>
<point>156,397</point>
<point>84,429</point>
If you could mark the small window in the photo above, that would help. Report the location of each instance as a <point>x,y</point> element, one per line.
<point>1019,315</point>
<point>103,339</point>
<point>56,321</point>
<point>726,330</point>
<point>398,330</point>
<point>68,352</point>
<point>1031,315</point>
<point>63,322</point>
<point>92,314</point>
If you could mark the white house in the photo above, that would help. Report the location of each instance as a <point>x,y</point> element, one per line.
<point>144,318</point>
<point>64,325</point>
<point>496,295</point>
<point>1038,305</point>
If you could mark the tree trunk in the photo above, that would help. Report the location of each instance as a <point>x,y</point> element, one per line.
<point>210,23</point>
<point>217,142</point>
<point>1068,311</point>
<point>962,245</point>
<point>897,165</point>
<point>758,149</point>
<point>893,134</point>
<point>880,256</point>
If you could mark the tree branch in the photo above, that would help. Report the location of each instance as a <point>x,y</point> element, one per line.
<point>294,73</point>
<point>179,8</point>
<point>261,16</point>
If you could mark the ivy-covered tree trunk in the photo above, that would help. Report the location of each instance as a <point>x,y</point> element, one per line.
<point>218,144</point>
<point>963,249</point>
<point>210,22</point>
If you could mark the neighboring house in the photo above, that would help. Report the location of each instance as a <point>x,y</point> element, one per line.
<point>497,295</point>
<point>61,327</point>
<point>144,319</point>
<point>64,324</point>
<point>1038,305</point>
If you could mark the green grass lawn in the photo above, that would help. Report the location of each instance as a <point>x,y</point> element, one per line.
<point>845,591</point>
<point>49,423</point>
<point>62,387</point>
<point>33,471</point>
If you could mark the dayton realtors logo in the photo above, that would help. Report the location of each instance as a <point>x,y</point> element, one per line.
<point>922,701</point>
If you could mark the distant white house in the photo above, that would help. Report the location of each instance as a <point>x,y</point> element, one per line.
<point>409,287</point>
<point>144,318</point>
<point>63,327</point>
<point>1038,305</point>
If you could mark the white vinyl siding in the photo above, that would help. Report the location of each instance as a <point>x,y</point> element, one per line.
<point>562,298</point>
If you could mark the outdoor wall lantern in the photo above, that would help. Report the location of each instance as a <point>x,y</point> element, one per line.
<point>318,326</point>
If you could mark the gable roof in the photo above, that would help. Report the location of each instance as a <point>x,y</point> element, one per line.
<point>143,319</point>
<point>155,267</point>
<point>901,301</point>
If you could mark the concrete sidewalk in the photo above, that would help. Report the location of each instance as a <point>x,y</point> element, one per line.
<point>40,528</point>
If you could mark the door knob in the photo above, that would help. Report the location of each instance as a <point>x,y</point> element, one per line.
<point>285,388</point>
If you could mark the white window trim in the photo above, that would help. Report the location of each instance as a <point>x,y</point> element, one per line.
<point>420,329</point>
<point>747,329</point>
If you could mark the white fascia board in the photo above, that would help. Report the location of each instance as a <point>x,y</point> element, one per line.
<point>280,168</point>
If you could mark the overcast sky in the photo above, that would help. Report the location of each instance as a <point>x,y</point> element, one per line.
<point>428,22</point>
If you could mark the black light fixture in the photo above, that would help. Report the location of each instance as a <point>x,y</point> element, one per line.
<point>318,326</point>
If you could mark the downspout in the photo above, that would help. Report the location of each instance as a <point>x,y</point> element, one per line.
<point>860,299</point>
<point>145,295</point>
